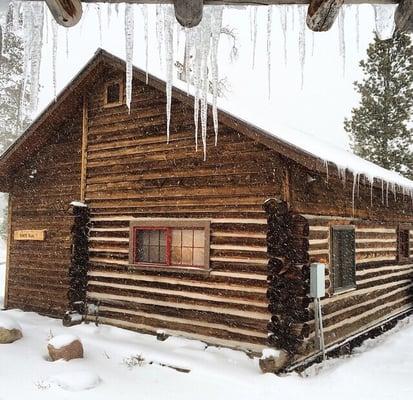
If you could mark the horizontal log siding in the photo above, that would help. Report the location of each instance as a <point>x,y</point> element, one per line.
<point>38,270</point>
<point>132,172</point>
<point>384,286</point>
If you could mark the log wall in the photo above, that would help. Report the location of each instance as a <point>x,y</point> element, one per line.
<point>40,199</point>
<point>384,285</point>
<point>133,173</point>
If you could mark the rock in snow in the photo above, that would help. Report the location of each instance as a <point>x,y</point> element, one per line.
<point>66,347</point>
<point>10,330</point>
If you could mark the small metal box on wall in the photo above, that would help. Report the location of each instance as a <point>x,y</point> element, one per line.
<point>317,280</point>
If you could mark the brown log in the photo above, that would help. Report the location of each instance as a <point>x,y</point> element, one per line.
<point>188,12</point>
<point>322,14</point>
<point>403,16</point>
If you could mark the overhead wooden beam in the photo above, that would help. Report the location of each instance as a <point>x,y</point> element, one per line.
<point>322,14</point>
<point>66,12</point>
<point>403,16</point>
<point>188,12</point>
<point>241,2</point>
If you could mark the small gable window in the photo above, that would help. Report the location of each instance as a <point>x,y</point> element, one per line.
<point>113,93</point>
<point>169,243</point>
<point>343,258</point>
<point>403,243</point>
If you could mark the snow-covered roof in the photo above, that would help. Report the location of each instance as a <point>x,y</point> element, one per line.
<point>307,149</point>
<point>345,161</point>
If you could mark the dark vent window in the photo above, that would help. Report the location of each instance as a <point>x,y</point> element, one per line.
<point>113,94</point>
<point>404,244</point>
<point>343,258</point>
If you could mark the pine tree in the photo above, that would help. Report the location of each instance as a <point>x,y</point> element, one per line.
<point>12,122</point>
<point>12,117</point>
<point>379,126</point>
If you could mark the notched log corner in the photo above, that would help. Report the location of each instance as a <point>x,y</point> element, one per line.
<point>322,14</point>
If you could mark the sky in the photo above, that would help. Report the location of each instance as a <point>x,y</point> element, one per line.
<point>317,108</point>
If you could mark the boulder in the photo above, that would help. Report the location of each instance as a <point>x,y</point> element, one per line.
<point>66,347</point>
<point>273,361</point>
<point>10,330</point>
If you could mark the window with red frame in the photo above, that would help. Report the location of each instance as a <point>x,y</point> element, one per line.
<point>169,246</point>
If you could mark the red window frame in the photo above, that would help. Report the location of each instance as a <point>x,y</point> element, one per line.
<point>168,234</point>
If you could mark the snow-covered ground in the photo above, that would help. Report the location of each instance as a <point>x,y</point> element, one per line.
<point>120,364</point>
<point>2,271</point>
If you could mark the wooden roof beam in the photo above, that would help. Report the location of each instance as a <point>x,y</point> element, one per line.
<point>320,17</point>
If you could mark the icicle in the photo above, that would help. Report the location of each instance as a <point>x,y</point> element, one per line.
<point>301,40</point>
<point>108,15</point>
<point>67,42</point>
<point>205,50</point>
<point>144,9</point>
<point>159,31</point>
<point>254,36</point>
<point>16,15</point>
<point>358,185</point>
<point>250,9</point>
<point>355,178</point>
<point>169,62</point>
<point>341,39</point>
<point>33,20</point>
<point>312,43</point>
<point>54,44</point>
<point>283,20</point>
<point>387,194</point>
<point>269,28</point>
<point>129,28</point>
<point>99,14</point>
<point>382,192</point>
<point>384,18</point>
<point>326,165</point>
<point>46,22</point>
<point>371,192</point>
<point>187,56</point>
<point>357,28</point>
<point>216,24</point>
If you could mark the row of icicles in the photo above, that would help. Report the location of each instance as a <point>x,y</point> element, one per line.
<point>32,19</point>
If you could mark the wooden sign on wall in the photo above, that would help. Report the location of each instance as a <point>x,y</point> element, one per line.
<point>30,235</point>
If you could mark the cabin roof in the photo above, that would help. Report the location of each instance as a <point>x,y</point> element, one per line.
<point>310,152</point>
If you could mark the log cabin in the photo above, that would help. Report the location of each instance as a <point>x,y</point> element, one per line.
<point>110,222</point>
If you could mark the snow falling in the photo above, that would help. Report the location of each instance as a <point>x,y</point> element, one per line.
<point>201,49</point>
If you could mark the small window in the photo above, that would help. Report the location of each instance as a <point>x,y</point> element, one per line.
<point>403,243</point>
<point>343,258</point>
<point>113,93</point>
<point>170,243</point>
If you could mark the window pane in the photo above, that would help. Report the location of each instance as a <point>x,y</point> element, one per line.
<point>176,237</point>
<point>154,238</point>
<point>154,254</point>
<point>143,254</point>
<point>343,258</point>
<point>162,254</point>
<point>187,238</point>
<point>176,257</point>
<point>199,238</point>
<point>143,238</point>
<point>186,256</point>
<point>199,257</point>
